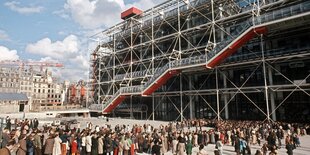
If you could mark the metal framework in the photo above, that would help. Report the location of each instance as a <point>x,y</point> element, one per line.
<point>160,56</point>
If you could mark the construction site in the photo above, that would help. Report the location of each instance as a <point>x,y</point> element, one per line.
<point>217,59</point>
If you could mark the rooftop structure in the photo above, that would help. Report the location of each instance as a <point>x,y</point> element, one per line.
<point>13,96</point>
<point>130,13</point>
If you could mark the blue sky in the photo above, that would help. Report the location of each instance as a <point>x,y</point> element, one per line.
<point>58,30</point>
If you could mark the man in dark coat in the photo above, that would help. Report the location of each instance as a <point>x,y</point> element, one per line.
<point>156,148</point>
<point>290,147</point>
<point>35,123</point>
<point>108,144</point>
<point>8,123</point>
<point>94,146</point>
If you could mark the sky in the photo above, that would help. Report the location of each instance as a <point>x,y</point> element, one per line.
<point>58,30</point>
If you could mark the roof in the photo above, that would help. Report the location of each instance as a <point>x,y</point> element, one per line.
<point>130,12</point>
<point>13,96</point>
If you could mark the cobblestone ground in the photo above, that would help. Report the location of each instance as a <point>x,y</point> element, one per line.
<point>228,150</point>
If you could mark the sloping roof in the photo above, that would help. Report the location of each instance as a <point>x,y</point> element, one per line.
<point>13,96</point>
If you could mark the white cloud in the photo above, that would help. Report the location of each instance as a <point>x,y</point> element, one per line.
<point>7,54</point>
<point>4,36</point>
<point>61,13</point>
<point>82,62</point>
<point>71,51</point>
<point>48,59</point>
<point>61,33</point>
<point>67,48</point>
<point>97,13</point>
<point>15,6</point>
<point>72,74</point>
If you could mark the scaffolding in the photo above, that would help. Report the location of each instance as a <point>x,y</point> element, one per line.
<point>180,56</point>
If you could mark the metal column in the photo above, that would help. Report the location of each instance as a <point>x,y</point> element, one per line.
<point>99,82</point>
<point>217,95</point>
<point>153,107</point>
<point>225,98</point>
<point>181,97</point>
<point>272,102</point>
<point>191,103</point>
<point>265,77</point>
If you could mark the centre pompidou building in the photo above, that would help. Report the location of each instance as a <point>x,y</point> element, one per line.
<point>219,59</point>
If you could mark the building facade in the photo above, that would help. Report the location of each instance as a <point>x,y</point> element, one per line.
<point>13,103</point>
<point>208,59</point>
<point>77,93</point>
<point>9,80</point>
<point>42,91</point>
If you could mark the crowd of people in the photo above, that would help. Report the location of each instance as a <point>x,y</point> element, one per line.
<point>28,138</point>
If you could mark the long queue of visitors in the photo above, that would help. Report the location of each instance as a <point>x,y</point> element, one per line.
<point>28,138</point>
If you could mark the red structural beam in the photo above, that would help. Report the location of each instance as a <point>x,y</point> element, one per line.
<point>114,104</point>
<point>149,91</point>
<point>235,46</point>
<point>160,82</point>
<point>130,12</point>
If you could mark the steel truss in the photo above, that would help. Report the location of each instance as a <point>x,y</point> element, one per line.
<point>134,56</point>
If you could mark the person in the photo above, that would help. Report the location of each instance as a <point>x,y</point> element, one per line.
<point>156,148</point>
<point>108,144</point>
<point>100,145</point>
<point>22,150</point>
<point>189,147</point>
<point>49,145</point>
<point>265,148</point>
<point>35,123</point>
<point>201,150</point>
<point>64,140</point>
<point>273,150</point>
<point>181,145</point>
<point>5,137</point>
<point>243,145</point>
<point>37,143</point>
<point>219,146</point>
<point>57,145</point>
<point>94,146</point>
<point>258,152</point>
<point>296,140</point>
<point>290,147</point>
<point>83,144</point>
<point>30,146</point>
<point>88,144</point>
<point>8,123</point>
<point>74,146</point>
<point>8,148</point>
